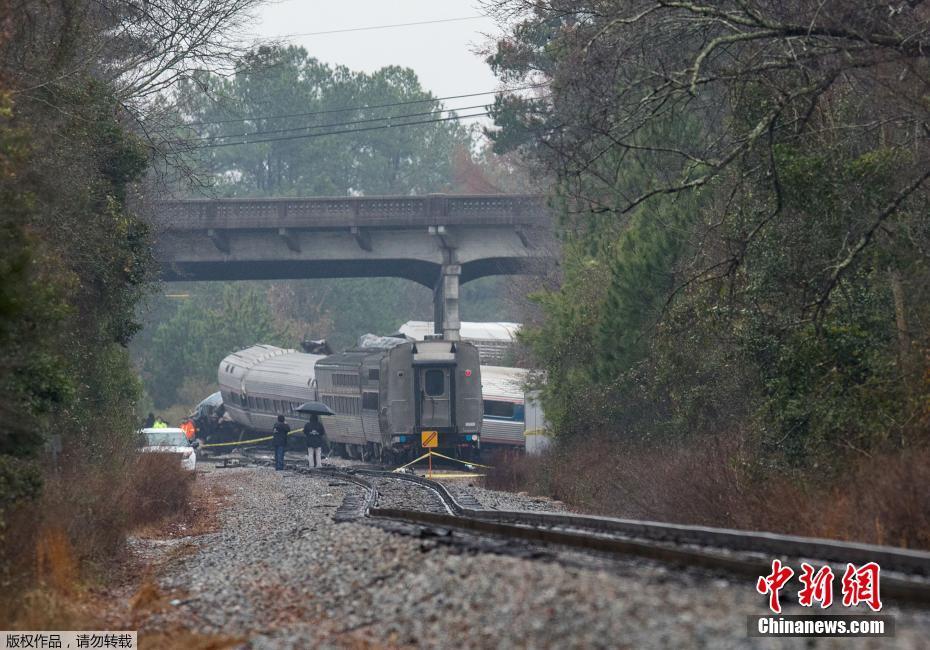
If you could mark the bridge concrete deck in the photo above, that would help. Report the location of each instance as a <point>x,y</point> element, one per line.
<point>439,241</point>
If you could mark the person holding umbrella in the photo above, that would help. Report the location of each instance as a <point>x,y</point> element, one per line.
<point>314,432</point>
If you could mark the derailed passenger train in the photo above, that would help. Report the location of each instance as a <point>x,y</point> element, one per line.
<point>385,394</point>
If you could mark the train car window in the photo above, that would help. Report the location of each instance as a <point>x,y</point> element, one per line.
<point>374,374</point>
<point>498,409</point>
<point>370,401</point>
<point>345,380</point>
<point>435,382</point>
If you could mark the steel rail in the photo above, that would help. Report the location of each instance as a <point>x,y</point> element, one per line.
<point>889,558</point>
<point>449,501</point>
<point>894,588</point>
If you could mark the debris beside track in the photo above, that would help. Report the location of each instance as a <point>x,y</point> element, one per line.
<point>494,500</point>
<point>281,573</point>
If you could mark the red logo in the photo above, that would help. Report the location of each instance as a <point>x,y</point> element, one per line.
<point>860,585</point>
<point>817,587</point>
<point>772,584</point>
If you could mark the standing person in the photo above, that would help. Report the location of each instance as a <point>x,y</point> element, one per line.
<point>280,432</point>
<point>314,431</point>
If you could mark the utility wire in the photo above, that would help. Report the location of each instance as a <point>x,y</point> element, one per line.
<point>215,145</point>
<point>335,124</point>
<point>357,108</point>
<point>366,29</point>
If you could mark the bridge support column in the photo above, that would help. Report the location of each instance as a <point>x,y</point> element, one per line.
<point>446,303</point>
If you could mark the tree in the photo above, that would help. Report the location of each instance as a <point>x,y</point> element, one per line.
<point>195,339</point>
<point>288,100</point>
<point>760,265</point>
<point>76,79</point>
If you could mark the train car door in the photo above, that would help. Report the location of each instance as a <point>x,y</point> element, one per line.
<point>434,406</point>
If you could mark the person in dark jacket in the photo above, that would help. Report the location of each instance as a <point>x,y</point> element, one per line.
<point>314,432</point>
<point>280,432</point>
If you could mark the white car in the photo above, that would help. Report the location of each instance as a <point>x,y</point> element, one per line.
<point>171,441</point>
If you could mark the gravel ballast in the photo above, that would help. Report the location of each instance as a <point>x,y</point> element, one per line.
<point>281,573</point>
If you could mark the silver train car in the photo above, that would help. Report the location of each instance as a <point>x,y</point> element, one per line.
<point>384,397</point>
<point>511,414</point>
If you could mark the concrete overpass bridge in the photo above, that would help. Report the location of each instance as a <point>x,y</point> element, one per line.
<point>439,241</point>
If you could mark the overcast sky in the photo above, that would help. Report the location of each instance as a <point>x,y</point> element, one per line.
<point>443,55</point>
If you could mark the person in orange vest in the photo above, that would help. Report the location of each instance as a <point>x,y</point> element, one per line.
<point>189,429</point>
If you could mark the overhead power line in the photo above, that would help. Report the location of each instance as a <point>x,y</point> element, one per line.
<point>372,27</point>
<point>358,108</point>
<point>383,127</point>
<point>336,124</point>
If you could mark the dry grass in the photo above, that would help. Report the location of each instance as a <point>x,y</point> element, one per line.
<point>883,499</point>
<point>73,537</point>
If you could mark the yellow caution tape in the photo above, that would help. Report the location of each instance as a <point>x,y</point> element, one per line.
<point>433,453</point>
<point>248,442</point>
<point>464,462</point>
<point>413,461</point>
<point>456,475</point>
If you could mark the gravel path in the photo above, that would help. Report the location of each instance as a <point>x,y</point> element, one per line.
<point>283,575</point>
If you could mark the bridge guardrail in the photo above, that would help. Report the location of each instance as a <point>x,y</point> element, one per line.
<point>340,212</point>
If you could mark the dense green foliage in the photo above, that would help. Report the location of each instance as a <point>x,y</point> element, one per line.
<point>285,81</point>
<point>74,264</point>
<point>77,78</point>
<point>747,256</point>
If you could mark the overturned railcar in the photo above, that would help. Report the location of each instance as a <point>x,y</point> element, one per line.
<point>384,396</point>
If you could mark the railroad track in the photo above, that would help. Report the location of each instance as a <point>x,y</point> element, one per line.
<point>905,573</point>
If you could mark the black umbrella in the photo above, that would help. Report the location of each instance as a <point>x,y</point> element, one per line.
<point>315,408</point>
